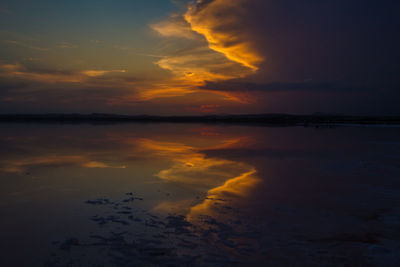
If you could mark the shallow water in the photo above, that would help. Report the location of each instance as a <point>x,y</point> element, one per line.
<point>159,194</point>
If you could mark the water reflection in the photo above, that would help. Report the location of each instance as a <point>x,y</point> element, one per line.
<point>21,165</point>
<point>220,179</point>
<point>196,194</point>
<point>232,191</point>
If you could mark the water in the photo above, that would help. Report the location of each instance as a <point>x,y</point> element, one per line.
<point>159,194</point>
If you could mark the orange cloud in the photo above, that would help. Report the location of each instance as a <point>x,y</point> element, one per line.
<point>66,45</point>
<point>17,70</point>
<point>219,22</point>
<point>97,164</point>
<point>96,73</point>
<point>34,47</point>
<point>162,93</point>
<point>216,50</point>
<point>201,64</point>
<point>175,26</point>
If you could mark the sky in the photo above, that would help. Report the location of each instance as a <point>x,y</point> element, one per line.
<point>176,57</point>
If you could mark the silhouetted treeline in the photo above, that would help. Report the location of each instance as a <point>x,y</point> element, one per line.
<point>272,119</point>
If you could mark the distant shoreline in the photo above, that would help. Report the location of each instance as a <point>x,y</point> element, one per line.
<point>263,119</point>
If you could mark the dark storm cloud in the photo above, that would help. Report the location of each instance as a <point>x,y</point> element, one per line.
<point>326,40</point>
<point>346,52</point>
<point>240,86</point>
<point>289,40</point>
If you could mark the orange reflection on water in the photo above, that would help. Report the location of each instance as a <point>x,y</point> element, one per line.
<point>232,191</point>
<point>218,179</point>
<point>20,165</point>
<point>191,167</point>
<point>204,179</point>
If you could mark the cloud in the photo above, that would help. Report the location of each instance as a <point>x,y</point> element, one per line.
<point>97,164</point>
<point>214,50</point>
<point>241,86</point>
<point>22,44</point>
<point>19,71</point>
<point>219,21</point>
<point>199,64</point>
<point>97,73</point>
<point>66,45</point>
<point>175,26</point>
<point>204,108</point>
<point>112,87</point>
<point>292,41</point>
<point>49,89</point>
<point>80,98</point>
<point>146,95</point>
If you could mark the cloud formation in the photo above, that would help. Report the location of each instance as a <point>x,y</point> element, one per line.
<point>218,56</point>
<point>66,45</point>
<point>216,48</point>
<point>97,73</point>
<point>174,26</point>
<point>26,45</point>
<point>219,22</point>
<point>241,86</point>
<point>199,64</point>
<point>222,51</point>
<point>18,70</point>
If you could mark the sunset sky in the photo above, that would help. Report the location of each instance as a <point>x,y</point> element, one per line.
<point>176,57</point>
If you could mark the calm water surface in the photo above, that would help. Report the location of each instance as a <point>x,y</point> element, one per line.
<point>180,194</point>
